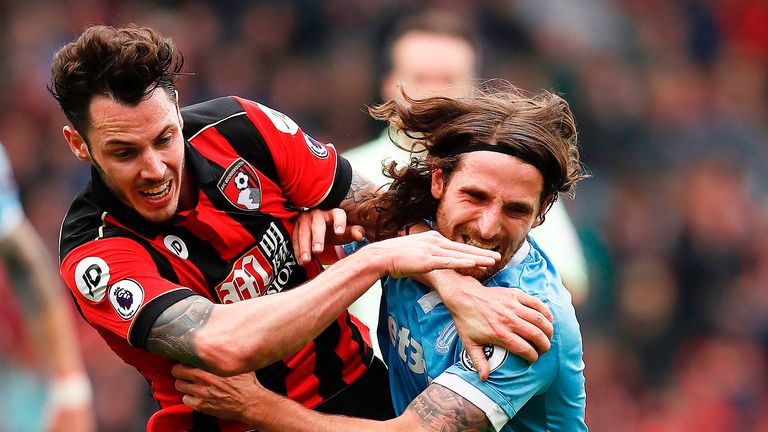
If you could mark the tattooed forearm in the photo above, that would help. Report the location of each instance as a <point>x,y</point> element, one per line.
<point>172,334</point>
<point>356,202</point>
<point>360,190</point>
<point>440,409</point>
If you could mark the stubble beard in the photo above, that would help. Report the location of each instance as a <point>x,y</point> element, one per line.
<point>456,233</point>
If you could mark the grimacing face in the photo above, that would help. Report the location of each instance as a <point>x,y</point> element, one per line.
<point>138,151</point>
<point>492,201</point>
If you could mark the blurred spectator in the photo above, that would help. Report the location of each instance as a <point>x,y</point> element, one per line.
<point>676,248</point>
<point>47,313</point>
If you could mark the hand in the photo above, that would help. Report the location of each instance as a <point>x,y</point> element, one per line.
<point>311,232</point>
<point>424,252</point>
<point>230,398</point>
<point>507,317</point>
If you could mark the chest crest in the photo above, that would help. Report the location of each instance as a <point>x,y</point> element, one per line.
<point>240,186</point>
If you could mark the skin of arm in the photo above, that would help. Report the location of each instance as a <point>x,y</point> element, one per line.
<point>47,313</point>
<point>234,338</point>
<point>242,398</point>
<point>509,318</point>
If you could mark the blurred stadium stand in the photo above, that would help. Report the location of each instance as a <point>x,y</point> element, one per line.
<point>671,99</point>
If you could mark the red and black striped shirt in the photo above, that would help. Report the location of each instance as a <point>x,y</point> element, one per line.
<point>253,167</point>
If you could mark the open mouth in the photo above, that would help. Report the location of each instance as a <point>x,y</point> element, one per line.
<point>489,246</point>
<point>159,192</point>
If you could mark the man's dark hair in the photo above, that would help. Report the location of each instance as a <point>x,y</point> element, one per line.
<point>126,64</point>
<point>539,130</point>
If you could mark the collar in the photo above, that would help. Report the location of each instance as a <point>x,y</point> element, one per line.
<point>520,255</point>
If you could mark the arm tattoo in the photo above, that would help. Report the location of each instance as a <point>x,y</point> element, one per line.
<point>440,409</point>
<point>360,191</point>
<point>173,333</point>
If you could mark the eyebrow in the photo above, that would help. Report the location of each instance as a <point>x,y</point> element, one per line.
<point>119,142</point>
<point>517,206</point>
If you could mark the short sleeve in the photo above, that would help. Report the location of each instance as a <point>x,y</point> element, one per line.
<point>117,287</point>
<point>310,173</point>
<point>511,383</point>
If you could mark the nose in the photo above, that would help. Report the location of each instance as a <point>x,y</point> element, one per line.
<point>489,223</point>
<point>153,167</point>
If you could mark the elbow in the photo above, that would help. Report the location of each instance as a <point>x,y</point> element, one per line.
<point>222,356</point>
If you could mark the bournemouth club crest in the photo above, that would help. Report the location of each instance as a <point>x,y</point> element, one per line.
<point>240,185</point>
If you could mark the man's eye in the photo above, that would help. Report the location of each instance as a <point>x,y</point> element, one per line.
<point>165,140</point>
<point>122,154</point>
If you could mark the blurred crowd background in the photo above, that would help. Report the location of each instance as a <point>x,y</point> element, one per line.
<point>671,99</point>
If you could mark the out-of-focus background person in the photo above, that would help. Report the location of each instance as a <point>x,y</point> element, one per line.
<point>672,102</point>
<point>435,54</point>
<point>48,320</point>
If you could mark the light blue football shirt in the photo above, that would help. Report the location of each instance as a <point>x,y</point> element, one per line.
<point>420,346</point>
<point>10,207</point>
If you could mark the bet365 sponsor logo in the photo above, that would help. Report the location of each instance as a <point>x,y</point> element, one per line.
<point>409,350</point>
<point>265,269</point>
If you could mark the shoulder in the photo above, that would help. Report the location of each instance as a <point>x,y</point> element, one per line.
<point>81,223</point>
<point>199,116</point>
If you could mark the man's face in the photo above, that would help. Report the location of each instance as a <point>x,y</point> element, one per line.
<point>430,64</point>
<point>138,151</point>
<point>492,201</point>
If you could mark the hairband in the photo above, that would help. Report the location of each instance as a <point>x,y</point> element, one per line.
<point>483,147</point>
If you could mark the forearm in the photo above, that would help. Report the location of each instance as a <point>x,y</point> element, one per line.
<point>46,308</point>
<point>276,413</point>
<point>360,191</point>
<point>251,334</point>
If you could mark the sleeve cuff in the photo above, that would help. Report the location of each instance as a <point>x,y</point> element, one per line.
<point>492,410</point>
<point>137,334</point>
<point>341,184</point>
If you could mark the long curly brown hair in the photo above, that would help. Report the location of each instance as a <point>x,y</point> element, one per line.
<point>539,129</point>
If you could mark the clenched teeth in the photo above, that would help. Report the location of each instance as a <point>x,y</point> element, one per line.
<point>491,246</point>
<point>160,190</point>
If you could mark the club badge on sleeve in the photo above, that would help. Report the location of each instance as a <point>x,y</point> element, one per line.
<point>126,296</point>
<point>496,357</point>
<point>316,147</point>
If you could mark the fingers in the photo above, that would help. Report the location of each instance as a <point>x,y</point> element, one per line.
<point>539,326</point>
<point>532,334</point>
<point>479,362</point>
<point>180,370</point>
<point>339,220</point>
<point>520,347</point>
<point>318,229</point>
<point>302,238</point>
<point>533,303</point>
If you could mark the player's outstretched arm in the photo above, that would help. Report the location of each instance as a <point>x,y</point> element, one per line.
<point>242,398</point>
<point>47,312</point>
<point>248,335</point>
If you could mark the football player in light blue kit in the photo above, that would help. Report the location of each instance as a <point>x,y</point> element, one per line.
<point>47,313</point>
<point>495,163</point>
<point>423,348</point>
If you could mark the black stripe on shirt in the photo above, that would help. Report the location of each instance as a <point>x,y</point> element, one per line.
<point>328,365</point>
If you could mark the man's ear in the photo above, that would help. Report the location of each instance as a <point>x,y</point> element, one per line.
<point>77,144</point>
<point>438,184</point>
<point>545,206</point>
<point>178,110</point>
